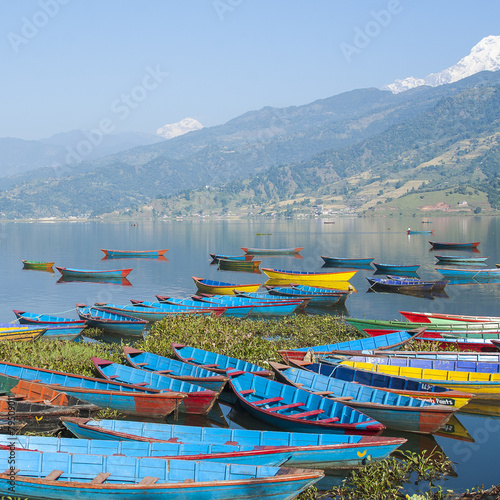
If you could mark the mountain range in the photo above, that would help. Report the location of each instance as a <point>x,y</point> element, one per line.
<point>359,149</point>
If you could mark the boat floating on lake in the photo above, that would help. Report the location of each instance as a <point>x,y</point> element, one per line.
<point>68,272</point>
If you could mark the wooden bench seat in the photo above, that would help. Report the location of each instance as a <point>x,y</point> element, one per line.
<point>307,414</point>
<point>285,407</point>
<point>270,400</point>
<point>55,474</point>
<point>148,480</point>
<point>100,478</point>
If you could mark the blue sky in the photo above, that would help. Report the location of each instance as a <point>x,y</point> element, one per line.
<point>126,65</point>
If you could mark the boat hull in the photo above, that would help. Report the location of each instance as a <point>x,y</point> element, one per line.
<point>134,253</point>
<point>306,278</point>
<point>220,288</point>
<point>272,251</point>
<point>444,244</point>
<point>95,273</point>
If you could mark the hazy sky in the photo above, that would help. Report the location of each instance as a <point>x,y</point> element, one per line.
<point>124,65</point>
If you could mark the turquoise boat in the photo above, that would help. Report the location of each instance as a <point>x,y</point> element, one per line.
<point>332,298</point>
<point>215,362</point>
<point>309,449</point>
<point>133,253</point>
<point>217,256</point>
<point>395,268</point>
<point>29,318</point>
<point>297,410</point>
<point>67,476</point>
<point>347,262</point>
<point>69,272</point>
<point>235,311</point>
<point>393,410</point>
<point>199,401</point>
<point>175,369</point>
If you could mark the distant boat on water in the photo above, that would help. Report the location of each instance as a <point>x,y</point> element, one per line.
<point>39,265</point>
<point>69,272</point>
<point>134,253</point>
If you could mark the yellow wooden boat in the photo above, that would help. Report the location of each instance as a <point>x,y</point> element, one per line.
<point>22,333</point>
<point>483,385</point>
<point>222,288</point>
<point>306,278</point>
<point>343,286</point>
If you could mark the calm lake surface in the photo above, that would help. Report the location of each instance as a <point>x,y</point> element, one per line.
<point>78,245</point>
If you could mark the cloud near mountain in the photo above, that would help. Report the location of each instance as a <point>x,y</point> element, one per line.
<point>171,130</point>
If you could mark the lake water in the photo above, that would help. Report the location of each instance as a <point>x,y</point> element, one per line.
<point>78,245</point>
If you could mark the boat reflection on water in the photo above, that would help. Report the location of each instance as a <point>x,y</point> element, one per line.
<point>409,274</point>
<point>430,295</point>
<point>489,407</point>
<point>473,281</point>
<point>107,281</point>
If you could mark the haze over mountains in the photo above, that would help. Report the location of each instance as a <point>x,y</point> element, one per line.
<point>275,154</point>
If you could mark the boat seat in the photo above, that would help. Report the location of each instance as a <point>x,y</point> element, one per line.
<point>323,393</point>
<point>307,414</point>
<point>148,480</point>
<point>55,474</point>
<point>236,372</point>
<point>329,420</point>
<point>142,384</point>
<point>100,478</point>
<point>270,400</point>
<point>112,377</point>
<point>163,372</point>
<point>11,472</point>
<point>247,391</point>
<point>188,481</point>
<point>215,365</point>
<point>141,364</point>
<point>285,407</point>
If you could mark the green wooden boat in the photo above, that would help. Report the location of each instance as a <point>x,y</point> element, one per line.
<point>38,265</point>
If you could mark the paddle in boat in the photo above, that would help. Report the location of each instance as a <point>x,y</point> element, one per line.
<point>272,251</point>
<point>134,253</point>
<point>297,410</point>
<point>67,476</point>
<point>69,272</point>
<point>175,369</point>
<point>393,410</point>
<point>307,449</point>
<point>221,287</point>
<point>199,400</point>
<point>38,265</point>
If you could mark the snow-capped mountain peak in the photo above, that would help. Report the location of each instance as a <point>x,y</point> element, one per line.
<point>180,128</point>
<point>484,56</point>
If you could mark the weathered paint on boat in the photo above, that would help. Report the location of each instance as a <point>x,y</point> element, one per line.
<point>272,251</point>
<point>309,449</point>
<point>307,276</point>
<point>66,476</point>
<point>94,273</point>
<point>175,369</point>
<point>199,401</point>
<point>297,410</point>
<point>221,287</point>
<point>393,410</point>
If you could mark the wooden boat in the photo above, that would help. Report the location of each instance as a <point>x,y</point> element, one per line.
<point>414,231</point>
<point>391,383</point>
<point>496,343</point>
<point>307,449</point>
<point>307,277</point>
<point>105,394</point>
<point>444,244</point>
<point>95,273</point>
<point>111,323</point>
<point>28,318</point>
<point>393,268</point>
<point>38,265</point>
<point>459,259</point>
<point>475,357</point>
<point>483,385</point>
<point>153,314</point>
<point>272,251</point>
<point>221,287</point>
<point>257,455</point>
<point>442,318</point>
<point>393,410</point>
<point>212,361</point>
<point>172,368</point>
<point>217,256</point>
<point>239,265</point>
<point>134,253</point>
<point>67,476</point>
<point>199,401</point>
<point>22,333</point>
<point>63,332</point>
<point>236,311</point>
<point>347,262</point>
<point>297,410</point>
<point>476,273</point>
<point>402,283</point>
<point>316,299</point>
<point>390,341</point>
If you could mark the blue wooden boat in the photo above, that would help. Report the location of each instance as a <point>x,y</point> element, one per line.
<point>29,318</point>
<point>105,394</point>
<point>272,251</point>
<point>393,410</point>
<point>450,245</point>
<point>222,287</point>
<point>236,311</point>
<point>199,401</point>
<point>215,362</point>
<point>484,357</point>
<point>405,284</point>
<point>415,231</point>
<point>278,308</point>
<point>66,476</point>
<point>297,410</point>
<point>175,369</point>
<point>94,273</point>
<point>240,454</point>
<point>392,383</point>
<point>62,332</point>
<point>347,262</point>
<point>395,269</point>
<point>111,323</point>
<point>477,274</point>
<point>380,342</point>
<point>460,259</point>
<point>133,253</point>
<point>217,256</point>
<point>153,314</point>
<point>310,449</point>
<point>317,299</point>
